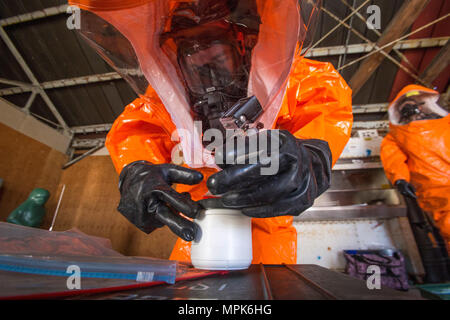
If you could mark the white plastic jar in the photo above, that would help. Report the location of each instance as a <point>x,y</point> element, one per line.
<point>224,242</point>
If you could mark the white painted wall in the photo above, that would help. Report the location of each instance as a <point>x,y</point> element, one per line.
<point>323,242</point>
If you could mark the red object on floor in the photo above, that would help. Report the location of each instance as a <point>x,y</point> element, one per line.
<point>63,294</point>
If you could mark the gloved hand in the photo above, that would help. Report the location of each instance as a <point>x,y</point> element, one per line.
<point>304,173</point>
<point>149,202</point>
<point>405,188</point>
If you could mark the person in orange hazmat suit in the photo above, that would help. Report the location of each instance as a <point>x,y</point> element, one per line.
<point>416,151</point>
<point>205,68</point>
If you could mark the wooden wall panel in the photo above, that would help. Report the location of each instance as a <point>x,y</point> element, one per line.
<point>89,203</point>
<point>26,164</point>
<point>90,199</point>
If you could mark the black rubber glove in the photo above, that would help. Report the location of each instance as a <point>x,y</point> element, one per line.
<point>149,202</point>
<point>405,188</point>
<point>304,174</point>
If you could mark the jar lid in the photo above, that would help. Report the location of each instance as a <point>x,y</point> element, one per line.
<point>215,206</point>
<point>212,203</point>
<point>222,212</point>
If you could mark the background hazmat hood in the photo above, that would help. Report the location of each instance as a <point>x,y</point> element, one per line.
<point>424,99</point>
<point>127,34</point>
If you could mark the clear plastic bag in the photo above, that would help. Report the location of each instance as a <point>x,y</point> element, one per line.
<point>15,239</point>
<point>130,268</point>
<point>37,251</point>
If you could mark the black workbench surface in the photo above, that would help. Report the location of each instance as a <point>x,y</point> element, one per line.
<point>291,282</point>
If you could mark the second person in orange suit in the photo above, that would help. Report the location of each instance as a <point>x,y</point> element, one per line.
<point>416,151</point>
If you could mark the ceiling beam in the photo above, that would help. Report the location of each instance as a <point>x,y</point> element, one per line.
<point>378,49</point>
<point>370,108</point>
<point>30,101</point>
<point>358,164</point>
<point>376,124</point>
<point>16,83</point>
<point>367,47</point>
<point>439,63</point>
<point>361,18</point>
<point>25,123</point>
<point>35,15</point>
<point>399,24</point>
<point>357,109</point>
<point>94,78</point>
<point>312,53</point>
<point>96,128</point>
<point>32,78</point>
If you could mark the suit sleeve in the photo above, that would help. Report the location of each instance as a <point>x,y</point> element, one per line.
<point>141,132</point>
<point>394,160</point>
<point>318,105</point>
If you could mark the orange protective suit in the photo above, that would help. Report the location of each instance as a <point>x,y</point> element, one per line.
<point>317,104</point>
<point>419,152</point>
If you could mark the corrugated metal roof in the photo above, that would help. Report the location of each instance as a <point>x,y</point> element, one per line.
<point>377,88</point>
<point>53,52</point>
